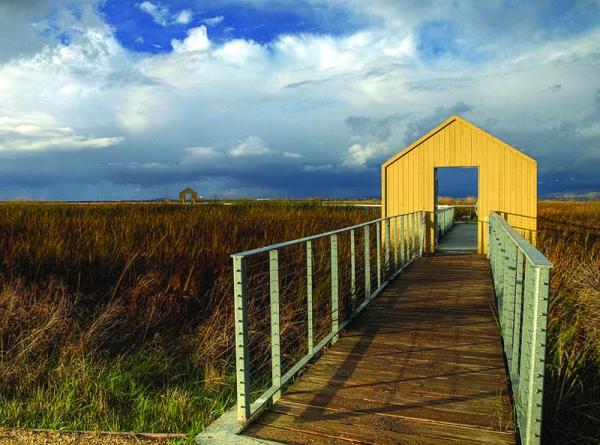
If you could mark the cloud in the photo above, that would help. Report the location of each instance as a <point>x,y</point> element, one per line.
<point>317,168</point>
<point>184,17</point>
<point>213,21</point>
<point>418,127</point>
<point>553,88</point>
<point>162,15</point>
<point>343,101</point>
<point>377,128</point>
<point>251,146</point>
<point>38,132</point>
<point>357,156</point>
<point>196,40</point>
<point>193,154</point>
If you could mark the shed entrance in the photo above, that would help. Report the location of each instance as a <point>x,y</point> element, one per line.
<point>455,209</point>
<point>507,179</point>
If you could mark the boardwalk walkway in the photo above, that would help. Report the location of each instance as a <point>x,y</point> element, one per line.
<point>422,365</point>
<point>462,237</point>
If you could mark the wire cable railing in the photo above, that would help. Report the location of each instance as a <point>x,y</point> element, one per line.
<point>521,276</point>
<point>294,298</point>
<point>444,219</point>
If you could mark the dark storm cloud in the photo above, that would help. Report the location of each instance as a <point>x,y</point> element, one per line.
<point>376,128</point>
<point>418,127</point>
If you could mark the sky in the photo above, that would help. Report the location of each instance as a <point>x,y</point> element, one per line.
<point>122,99</point>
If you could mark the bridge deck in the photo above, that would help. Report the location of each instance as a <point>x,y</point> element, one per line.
<point>422,365</point>
<point>462,237</point>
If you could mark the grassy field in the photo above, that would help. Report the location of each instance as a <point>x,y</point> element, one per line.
<point>118,316</point>
<point>569,235</point>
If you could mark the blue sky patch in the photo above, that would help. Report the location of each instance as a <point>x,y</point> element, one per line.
<point>138,30</point>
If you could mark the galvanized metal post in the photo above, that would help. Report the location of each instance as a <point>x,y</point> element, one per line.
<point>509,300</point>
<point>367,262</point>
<point>402,240</point>
<point>387,249</point>
<point>537,356</point>
<point>413,238</point>
<point>309,296</point>
<point>378,245</point>
<point>334,288</point>
<point>275,328</point>
<point>517,323</point>
<point>396,243</point>
<point>242,359</point>
<point>421,232</point>
<point>353,270</point>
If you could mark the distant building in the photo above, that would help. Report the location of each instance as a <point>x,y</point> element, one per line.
<point>189,196</point>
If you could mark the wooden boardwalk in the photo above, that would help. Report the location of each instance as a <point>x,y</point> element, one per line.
<point>462,237</point>
<point>423,364</point>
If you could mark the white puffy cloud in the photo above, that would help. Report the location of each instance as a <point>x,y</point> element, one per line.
<point>196,40</point>
<point>357,156</point>
<point>251,146</point>
<point>184,17</point>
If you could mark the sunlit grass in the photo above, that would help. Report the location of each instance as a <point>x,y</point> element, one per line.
<point>119,317</point>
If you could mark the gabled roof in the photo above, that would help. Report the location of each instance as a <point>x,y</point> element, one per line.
<point>451,119</point>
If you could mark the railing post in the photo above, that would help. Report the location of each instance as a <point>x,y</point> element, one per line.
<point>367,263</point>
<point>353,270</point>
<point>501,239</point>
<point>242,360</point>
<point>517,323</point>
<point>413,238</point>
<point>402,241</point>
<point>309,296</point>
<point>275,328</point>
<point>387,249</point>
<point>509,300</point>
<point>421,232</point>
<point>396,243</point>
<point>378,245</point>
<point>334,288</point>
<point>537,356</point>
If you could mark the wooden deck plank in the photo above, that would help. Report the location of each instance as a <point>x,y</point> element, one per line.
<point>423,364</point>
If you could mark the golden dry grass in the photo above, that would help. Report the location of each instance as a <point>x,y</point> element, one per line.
<point>118,317</point>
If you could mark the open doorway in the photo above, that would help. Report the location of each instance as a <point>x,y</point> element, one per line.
<point>455,204</point>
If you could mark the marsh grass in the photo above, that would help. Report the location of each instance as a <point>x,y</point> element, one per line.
<point>569,235</point>
<point>119,316</point>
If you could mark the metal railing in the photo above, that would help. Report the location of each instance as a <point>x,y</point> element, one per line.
<point>521,276</point>
<point>445,219</point>
<point>293,298</point>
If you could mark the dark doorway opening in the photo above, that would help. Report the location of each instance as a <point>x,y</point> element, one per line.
<point>455,204</point>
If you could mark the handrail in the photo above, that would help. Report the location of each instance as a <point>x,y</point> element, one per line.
<point>303,280</point>
<point>313,237</point>
<point>444,219</point>
<point>521,277</point>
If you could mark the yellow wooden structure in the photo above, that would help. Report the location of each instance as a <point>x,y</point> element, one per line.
<point>507,178</point>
